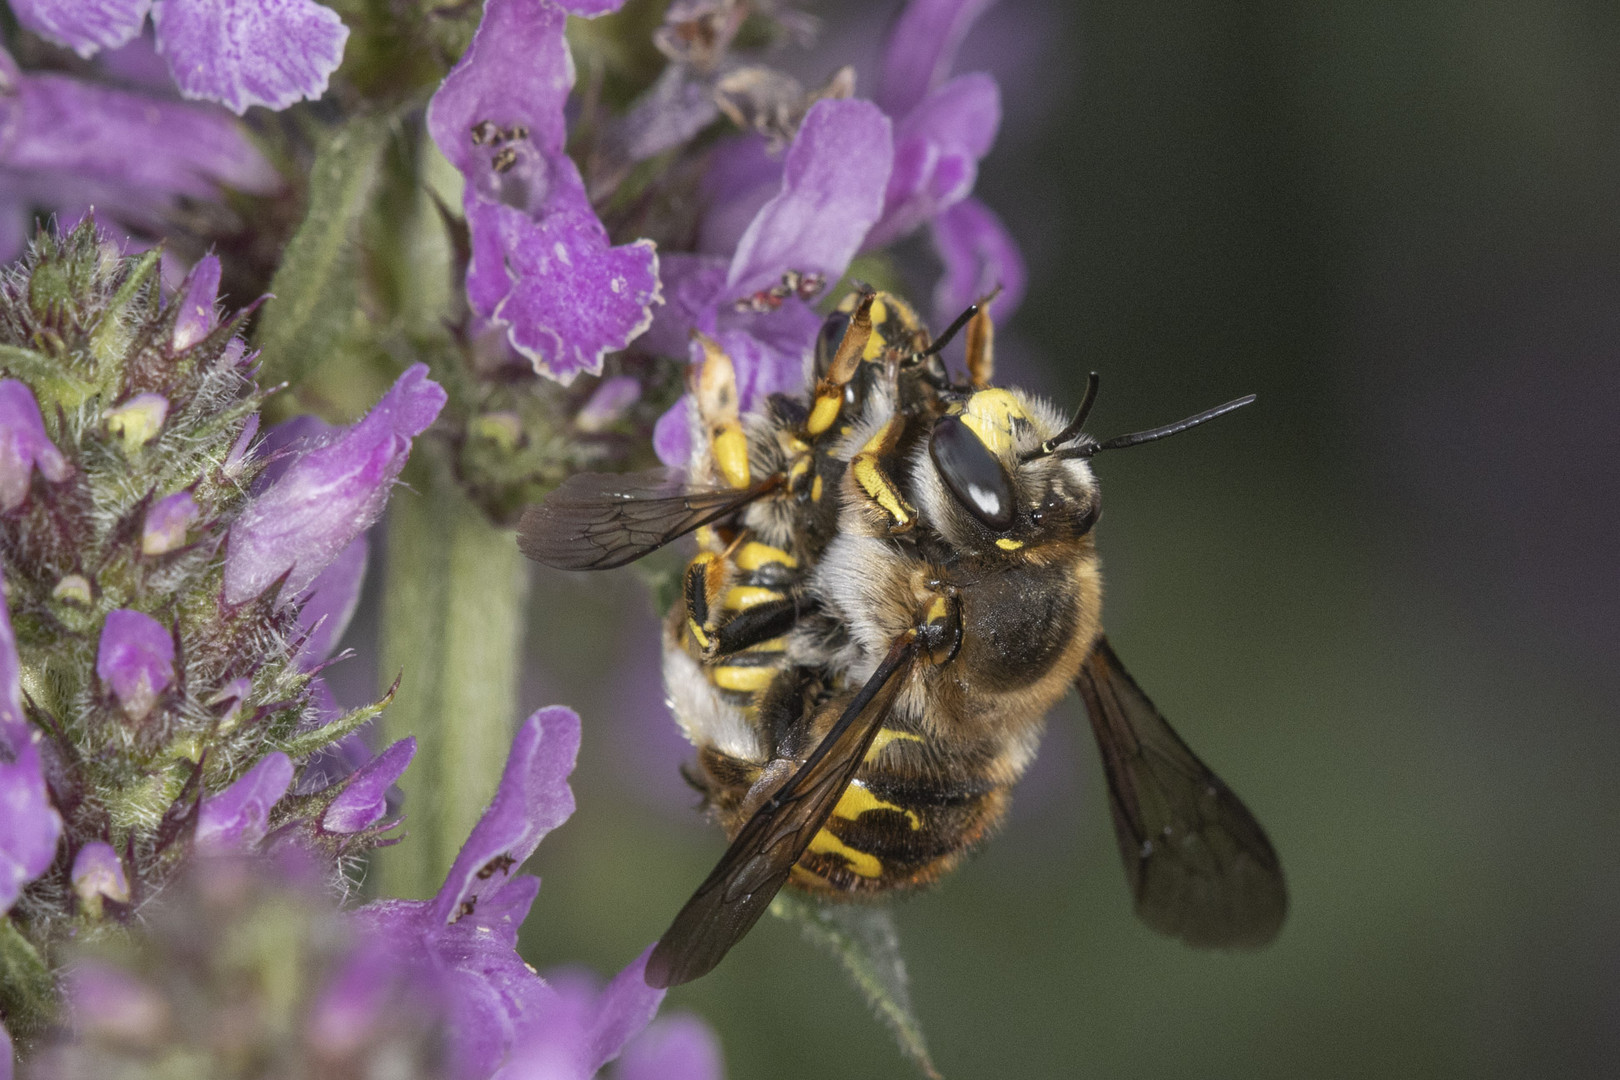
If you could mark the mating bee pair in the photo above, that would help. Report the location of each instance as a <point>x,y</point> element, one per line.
<point>896,580</point>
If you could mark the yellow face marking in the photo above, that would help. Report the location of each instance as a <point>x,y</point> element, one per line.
<point>857,799</point>
<point>754,555</point>
<point>1006,544</point>
<point>990,415</point>
<point>731,455</point>
<point>876,484</point>
<point>815,489</point>
<point>884,737</point>
<point>741,597</point>
<point>746,680</point>
<point>825,843</point>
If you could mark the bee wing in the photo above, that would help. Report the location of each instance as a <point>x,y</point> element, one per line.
<point>596,521</point>
<point>756,865</point>
<point>1199,865</point>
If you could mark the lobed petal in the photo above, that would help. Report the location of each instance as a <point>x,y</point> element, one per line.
<point>679,1047</point>
<point>135,659</point>
<point>328,495</point>
<point>532,798</point>
<point>364,799</point>
<point>239,815</point>
<point>832,192</point>
<point>24,445</point>
<point>979,256</point>
<point>921,48</point>
<point>937,151</point>
<point>85,26</point>
<point>250,52</point>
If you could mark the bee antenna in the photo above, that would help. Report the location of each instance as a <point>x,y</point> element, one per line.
<point>1120,441</point>
<point>1072,432</point>
<point>951,331</point>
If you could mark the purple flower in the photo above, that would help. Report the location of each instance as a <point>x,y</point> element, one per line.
<point>135,659</point>
<point>29,824</point>
<point>197,318</point>
<point>138,420</point>
<point>166,523</point>
<point>678,1047</point>
<point>577,1029</point>
<point>328,495</point>
<point>543,268</point>
<point>71,145</point>
<point>110,1002</point>
<point>505,1016</point>
<point>364,798</point>
<point>98,872</point>
<point>238,816</point>
<point>979,256</point>
<point>268,52</point>
<point>608,403</point>
<point>24,445</point>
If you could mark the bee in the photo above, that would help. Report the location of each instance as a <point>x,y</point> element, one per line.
<point>897,577</point>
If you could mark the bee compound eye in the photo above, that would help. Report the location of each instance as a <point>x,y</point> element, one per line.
<point>827,341</point>
<point>972,473</point>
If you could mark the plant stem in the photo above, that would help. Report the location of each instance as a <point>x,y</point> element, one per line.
<point>452,621</point>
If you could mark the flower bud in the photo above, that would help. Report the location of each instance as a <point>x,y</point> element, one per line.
<point>23,445</point>
<point>610,402</point>
<point>138,420</point>
<point>364,799</point>
<point>196,318</point>
<point>98,874</point>
<point>167,522</point>
<point>238,816</point>
<point>136,659</point>
<point>73,588</point>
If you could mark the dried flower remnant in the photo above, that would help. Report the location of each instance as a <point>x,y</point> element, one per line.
<point>271,52</point>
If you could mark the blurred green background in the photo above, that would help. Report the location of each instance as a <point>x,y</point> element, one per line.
<point>1381,603</point>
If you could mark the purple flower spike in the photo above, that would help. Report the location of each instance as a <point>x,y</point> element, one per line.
<point>364,799</point>
<point>329,495</point>
<point>543,267</point>
<point>979,256</point>
<point>29,824</point>
<point>85,26</point>
<point>197,317</point>
<point>267,52</point>
<point>167,522</point>
<point>98,872</point>
<point>679,1047</point>
<point>238,816</point>
<point>135,659</point>
<point>832,192</point>
<point>24,445</point>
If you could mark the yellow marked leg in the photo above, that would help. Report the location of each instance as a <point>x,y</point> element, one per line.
<point>981,347</point>
<point>716,396</point>
<point>830,389</point>
<point>701,589</point>
<point>867,468</point>
<point>755,555</point>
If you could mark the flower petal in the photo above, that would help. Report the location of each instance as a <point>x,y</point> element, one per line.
<point>832,192</point>
<point>250,52</point>
<point>936,154</point>
<point>197,318</point>
<point>29,824</point>
<point>239,815</point>
<point>532,799</point>
<point>329,495</point>
<point>979,255</point>
<point>921,49</point>
<point>693,287</point>
<point>135,659</point>
<point>622,1011</point>
<point>85,26</point>
<point>98,872</point>
<point>167,522</point>
<point>333,597</point>
<point>678,1047</point>
<point>24,445</point>
<point>364,798</point>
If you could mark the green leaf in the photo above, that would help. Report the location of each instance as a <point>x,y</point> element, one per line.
<point>310,741</point>
<point>317,296</point>
<point>27,994</point>
<point>864,940</point>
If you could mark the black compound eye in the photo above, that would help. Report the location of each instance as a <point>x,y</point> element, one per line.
<point>832,332</point>
<point>972,473</point>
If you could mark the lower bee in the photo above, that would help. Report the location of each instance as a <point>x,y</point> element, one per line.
<point>897,578</point>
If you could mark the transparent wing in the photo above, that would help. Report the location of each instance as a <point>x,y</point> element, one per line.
<point>1199,865</point>
<point>596,521</point>
<point>756,865</point>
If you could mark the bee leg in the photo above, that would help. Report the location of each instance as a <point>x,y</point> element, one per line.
<point>981,346</point>
<point>754,626</point>
<point>874,480</point>
<point>829,397</point>
<point>715,390</point>
<point>701,588</point>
